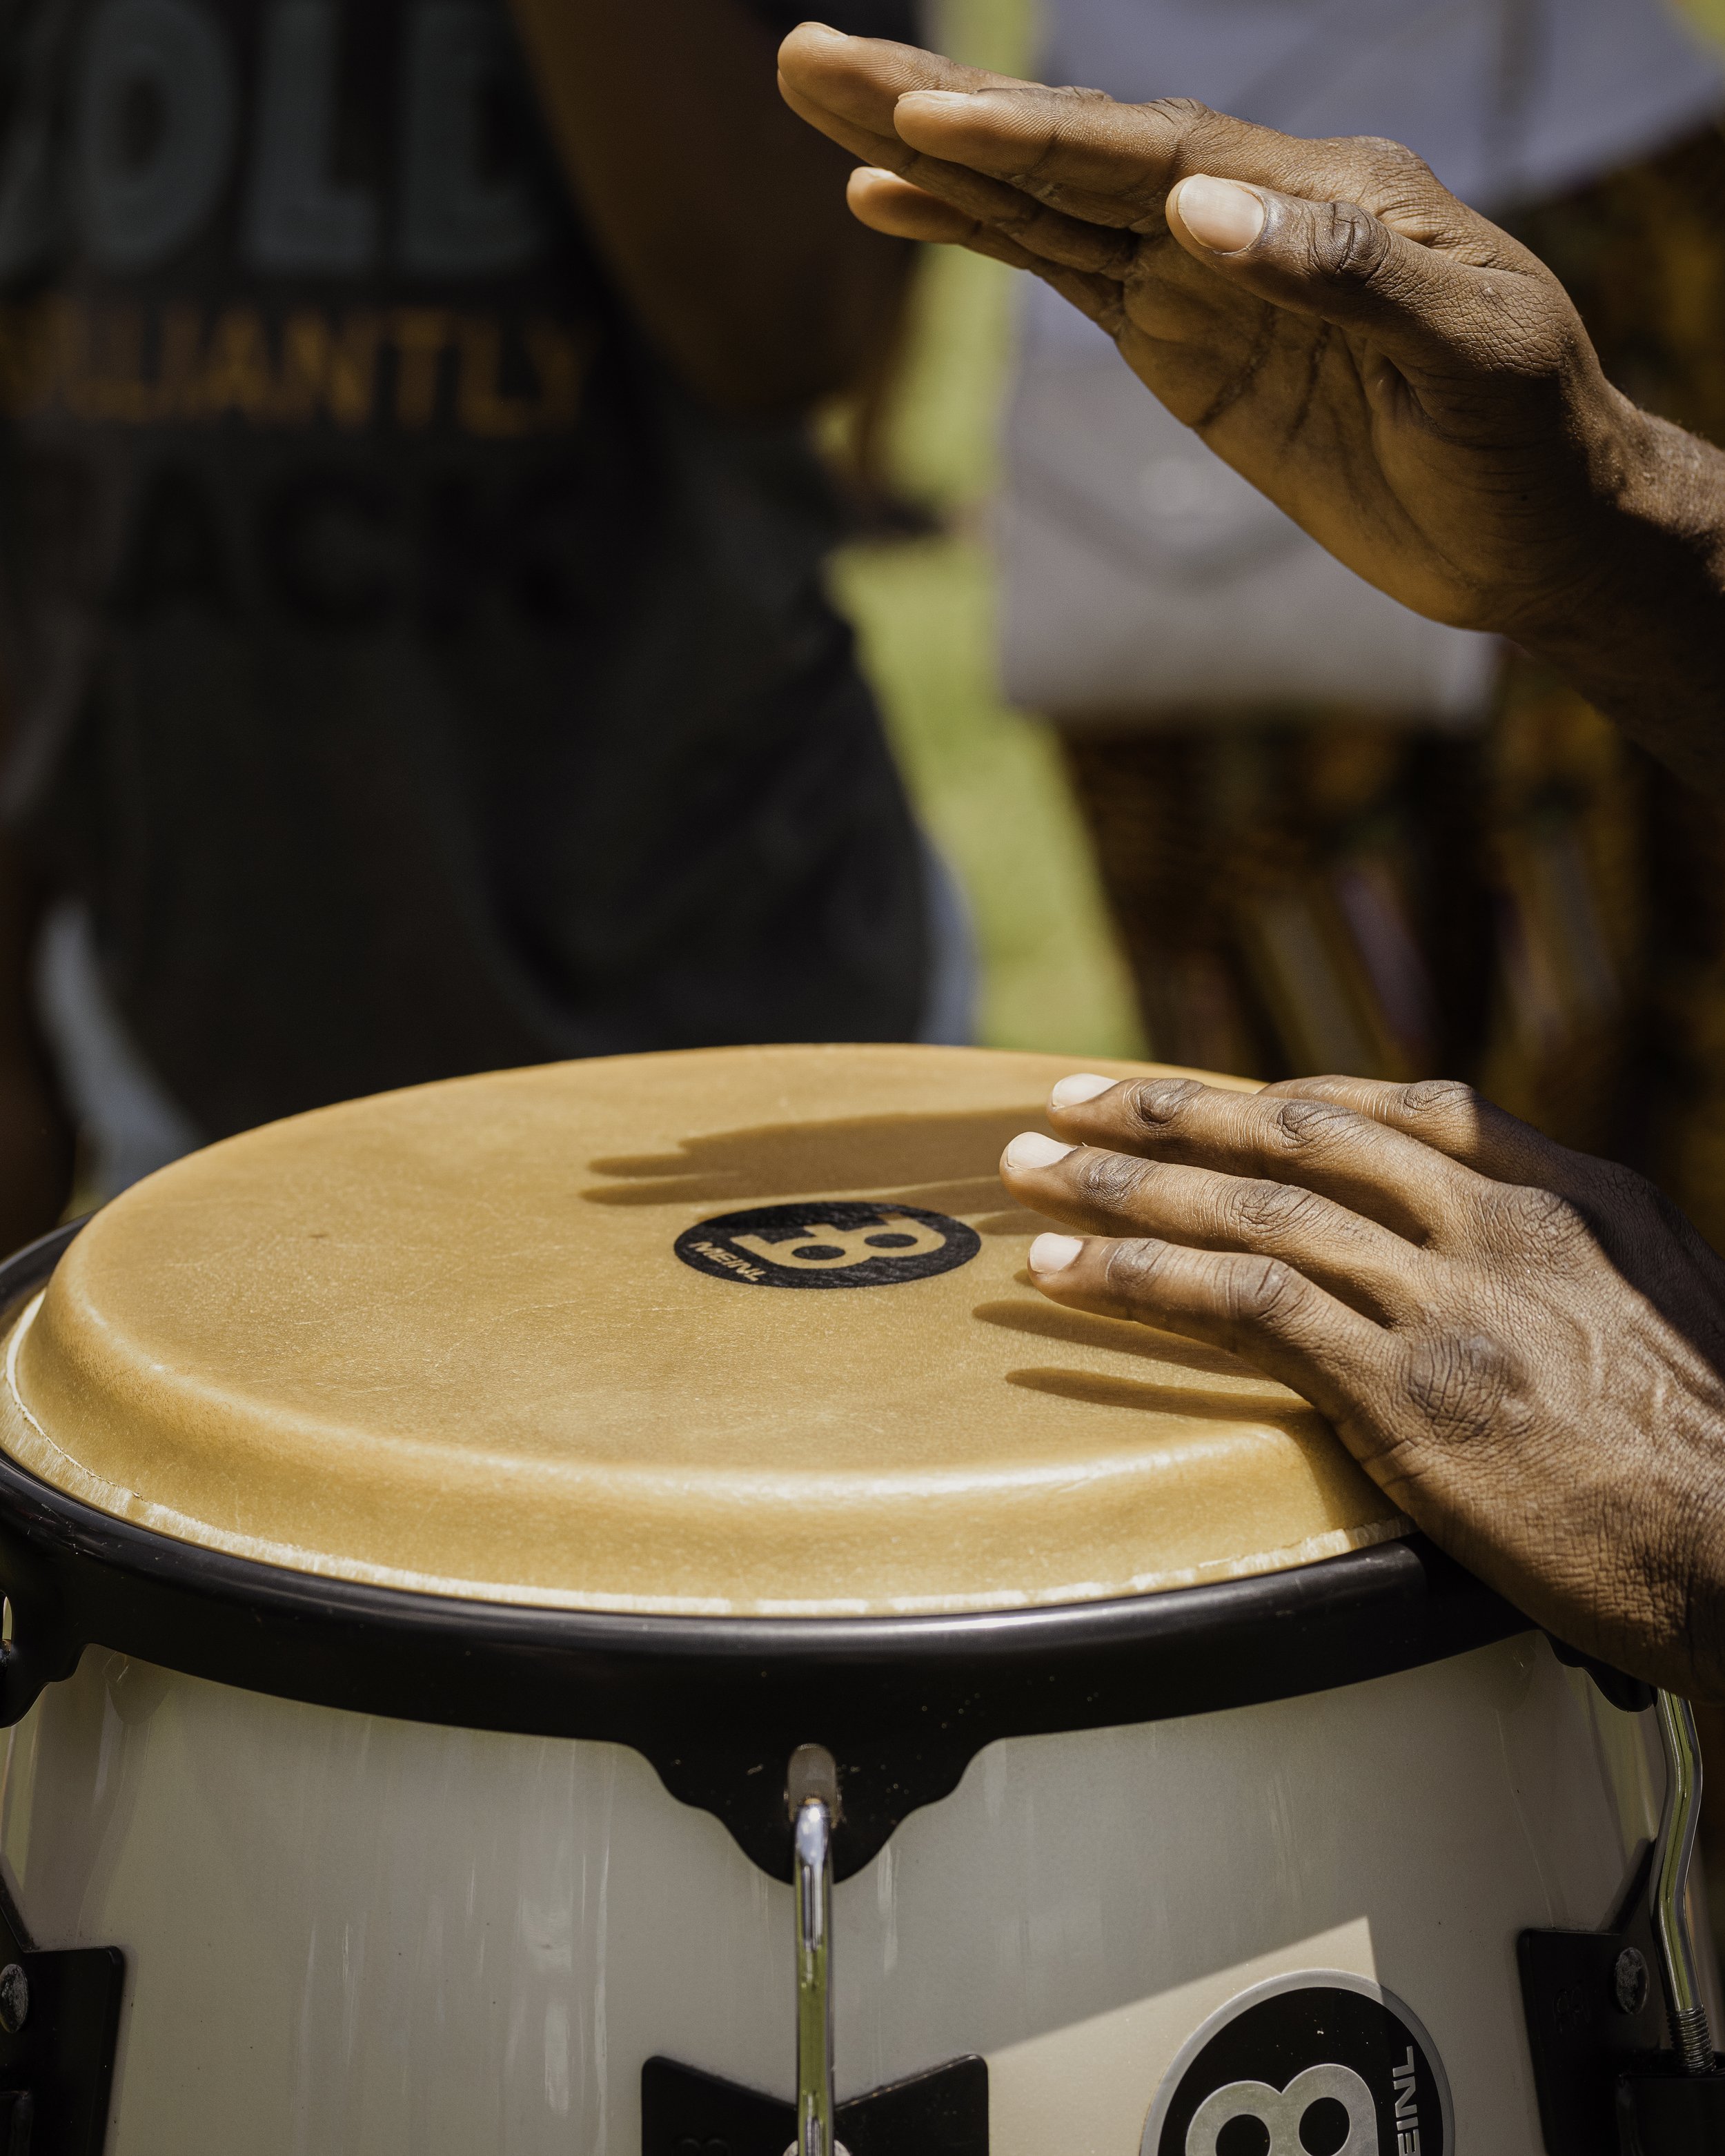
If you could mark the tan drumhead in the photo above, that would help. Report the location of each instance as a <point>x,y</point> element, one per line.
<point>498,1337</point>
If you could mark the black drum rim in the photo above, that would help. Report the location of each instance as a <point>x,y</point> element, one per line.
<point>50,1516</point>
<point>52,1520</point>
<point>88,1531</point>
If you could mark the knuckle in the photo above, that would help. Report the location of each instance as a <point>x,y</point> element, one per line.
<point>1180,112</point>
<point>1131,1268</point>
<point>1394,163</point>
<point>1549,1227</point>
<point>1153,1104</point>
<point>1107,1179</point>
<point>1075,93</point>
<point>1464,1383</point>
<point>1438,1104</point>
<point>1025,217</point>
<point>1300,1125</point>
<point>1347,244</point>
<point>1264,1292</point>
<point>1262,1212</point>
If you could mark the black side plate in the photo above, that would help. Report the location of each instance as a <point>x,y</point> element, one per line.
<point>1580,2041</point>
<point>1605,2087</point>
<point>943,2112</point>
<point>57,2071</point>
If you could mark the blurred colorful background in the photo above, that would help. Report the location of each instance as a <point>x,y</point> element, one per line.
<point>989,783</point>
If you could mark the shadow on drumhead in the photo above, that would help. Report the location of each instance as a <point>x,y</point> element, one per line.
<point>948,1164</point>
<point>1096,1390</point>
<point>1078,1328</point>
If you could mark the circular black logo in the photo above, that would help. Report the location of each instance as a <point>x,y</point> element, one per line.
<point>1321,2064</point>
<point>825,1244</point>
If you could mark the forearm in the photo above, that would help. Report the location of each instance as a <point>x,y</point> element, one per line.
<point>1643,636</point>
<point>722,217</point>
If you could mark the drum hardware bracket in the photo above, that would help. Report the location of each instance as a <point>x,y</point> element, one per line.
<point>687,2112</point>
<point>59,2027</point>
<point>812,1800</point>
<point>42,1651</point>
<point>1605,2086</point>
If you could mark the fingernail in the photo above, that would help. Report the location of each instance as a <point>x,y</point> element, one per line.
<point>1218,213</point>
<point>821,29</point>
<point>1031,1149</point>
<point>1082,1085</point>
<point>939,96</point>
<point>1053,1253</point>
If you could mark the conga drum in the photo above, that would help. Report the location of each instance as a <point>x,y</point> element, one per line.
<point>596,1609</point>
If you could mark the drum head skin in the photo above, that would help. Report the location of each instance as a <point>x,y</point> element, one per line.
<point>739,1332</point>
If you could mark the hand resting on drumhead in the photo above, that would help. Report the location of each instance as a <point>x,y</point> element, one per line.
<point>1403,379</point>
<point>1520,1344</point>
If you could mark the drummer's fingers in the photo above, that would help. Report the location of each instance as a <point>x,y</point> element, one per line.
<point>881,199</point>
<point>848,88</point>
<point>1256,1307</point>
<point>1327,1147</point>
<point>1048,234</point>
<point>887,203</point>
<point>1112,1194</point>
<point>1450,1117</point>
<point>853,130</point>
<point>1087,154</point>
<point>860,80</point>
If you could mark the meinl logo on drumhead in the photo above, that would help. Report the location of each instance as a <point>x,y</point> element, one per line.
<point>827,1243</point>
<point>1321,2064</point>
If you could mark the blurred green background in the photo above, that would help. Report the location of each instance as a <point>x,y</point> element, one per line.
<point>988,782</point>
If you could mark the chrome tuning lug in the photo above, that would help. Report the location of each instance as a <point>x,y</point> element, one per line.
<point>812,1795</point>
<point>1691,2039</point>
<point>1600,2075</point>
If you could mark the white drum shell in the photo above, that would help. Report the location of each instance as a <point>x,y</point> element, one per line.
<point>350,1935</point>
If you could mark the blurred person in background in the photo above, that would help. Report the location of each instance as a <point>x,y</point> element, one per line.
<point>1335,836</point>
<point>411,632</point>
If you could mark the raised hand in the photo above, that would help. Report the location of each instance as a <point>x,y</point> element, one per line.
<point>1404,379</point>
<point>1521,1345</point>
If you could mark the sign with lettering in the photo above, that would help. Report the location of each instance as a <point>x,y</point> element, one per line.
<point>1323,2063</point>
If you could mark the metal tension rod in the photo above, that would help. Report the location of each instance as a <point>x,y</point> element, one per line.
<point>812,1792</point>
<point>1691,2035</point>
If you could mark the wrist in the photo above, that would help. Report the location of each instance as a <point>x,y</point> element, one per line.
<point>1634,613</point>
<point>1614,509</point>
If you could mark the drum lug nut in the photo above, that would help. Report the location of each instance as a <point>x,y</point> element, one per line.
<point>14,1998</point>
<point>1691,2037</point>
<point>812,1799</point>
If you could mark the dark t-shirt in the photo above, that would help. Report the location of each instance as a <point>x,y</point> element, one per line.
<point>413,680</point>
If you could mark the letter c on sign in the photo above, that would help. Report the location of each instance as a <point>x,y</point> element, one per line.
<point>1280,2110</point>
<point>155,129</point>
